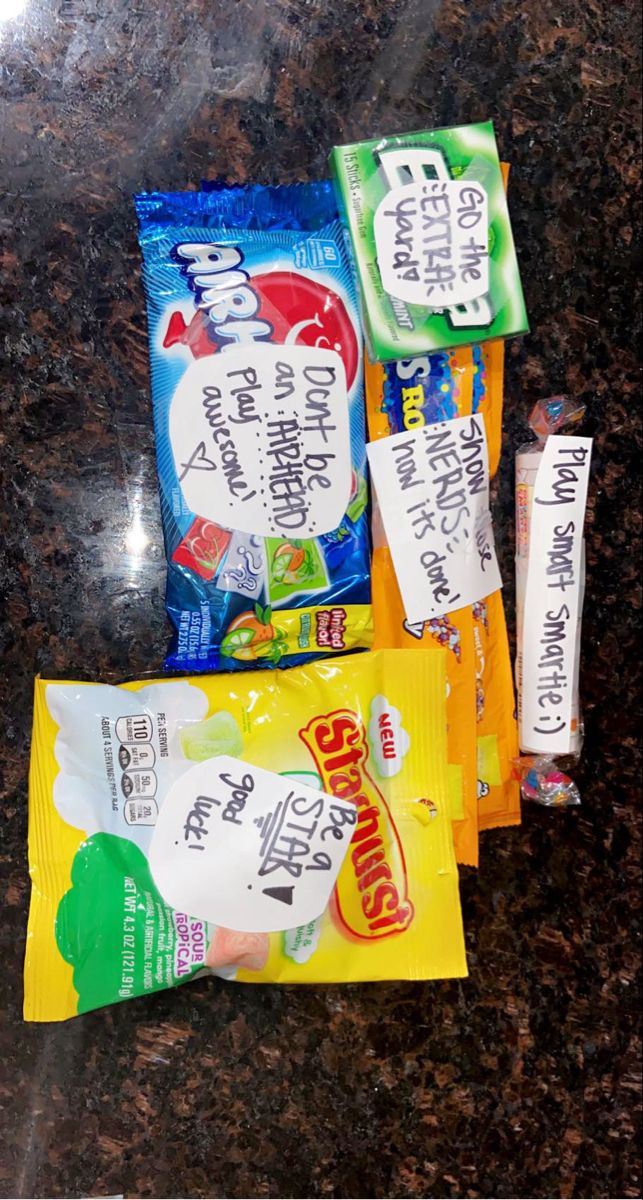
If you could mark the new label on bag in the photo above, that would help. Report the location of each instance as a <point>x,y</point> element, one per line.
<point>243,847</point>
<point>432,240</point>
<point>433,492</point>
<point>552,595</point>
<point>261,441</point>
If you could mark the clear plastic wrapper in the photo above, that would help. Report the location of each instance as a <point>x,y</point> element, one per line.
<point>544,782</point>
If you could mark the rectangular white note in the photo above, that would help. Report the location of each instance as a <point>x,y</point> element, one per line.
<point>433,491</point>
<point>551,615</point>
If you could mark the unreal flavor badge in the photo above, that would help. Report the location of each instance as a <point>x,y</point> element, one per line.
<point>428,220</point>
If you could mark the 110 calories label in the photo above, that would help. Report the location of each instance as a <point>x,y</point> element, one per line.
<point>248,849</point>
<point>552,595</point>
<point>432,486</point>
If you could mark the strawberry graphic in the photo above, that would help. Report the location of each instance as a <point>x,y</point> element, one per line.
<point>203,547</point>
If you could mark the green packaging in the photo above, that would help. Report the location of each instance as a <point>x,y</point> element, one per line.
<point>428,221</point>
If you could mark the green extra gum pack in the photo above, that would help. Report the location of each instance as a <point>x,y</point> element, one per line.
<point>431,235</point>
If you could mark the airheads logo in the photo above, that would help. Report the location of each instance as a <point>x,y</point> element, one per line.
<point>234,308</point>
<point>388,738</point>
<point>370,898</point>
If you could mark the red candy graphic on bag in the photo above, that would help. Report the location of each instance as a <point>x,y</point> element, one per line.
<point>300,311</point>
<point>203,547</point>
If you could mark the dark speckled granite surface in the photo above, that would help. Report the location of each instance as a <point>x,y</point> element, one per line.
<point>524,1080</point>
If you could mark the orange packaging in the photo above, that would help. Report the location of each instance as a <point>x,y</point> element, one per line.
<point>498,789</point>
<point>487,395</point>
<point>405,395</point>
<point>482,747</point>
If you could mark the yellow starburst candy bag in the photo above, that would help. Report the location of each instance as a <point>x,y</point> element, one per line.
<point>358,743</point>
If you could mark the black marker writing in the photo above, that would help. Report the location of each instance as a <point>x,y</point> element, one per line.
<point>196,825</point>
<point>224,442</point>
<point>239,793</point>
<point>560,558</point>
<point>317,413</point>
<point>405,465</point>
<point>471,453</point>
<point>285,474</point>
<point>198,461</point>
<point>244,397</point>
<point>403,216</point>
<point>433,564</point>
<point>567,478</point>
<point>423,520</point>
<point>284,386</point>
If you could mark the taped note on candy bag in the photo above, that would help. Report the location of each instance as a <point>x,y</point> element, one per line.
<point>260,439</point>
<point>550,629</point>
<point>243,847</point>
<point>433,491</point>
<point>432,242</point>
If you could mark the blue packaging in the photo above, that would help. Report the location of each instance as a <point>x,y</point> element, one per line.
<point>229,268</point>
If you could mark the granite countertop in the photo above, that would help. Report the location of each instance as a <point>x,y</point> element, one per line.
<point>523,1080</point>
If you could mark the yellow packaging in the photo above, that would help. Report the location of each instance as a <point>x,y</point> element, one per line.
<point>498,790</point>
<point>369,728</point>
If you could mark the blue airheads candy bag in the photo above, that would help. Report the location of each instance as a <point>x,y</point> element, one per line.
<point>230,275</point>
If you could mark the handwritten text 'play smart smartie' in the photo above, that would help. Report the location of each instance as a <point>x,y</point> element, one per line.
<point>550,622</point>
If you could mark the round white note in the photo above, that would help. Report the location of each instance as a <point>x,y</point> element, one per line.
<point>431,240</point>
<point>261,440</point>
<point>243,847</point>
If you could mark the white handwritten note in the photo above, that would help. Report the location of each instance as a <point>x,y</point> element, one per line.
<point>433,491</point>
<point>261,442</point>
<point>431,239</point>
<point>240,846</point>
<point>551,611</point>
